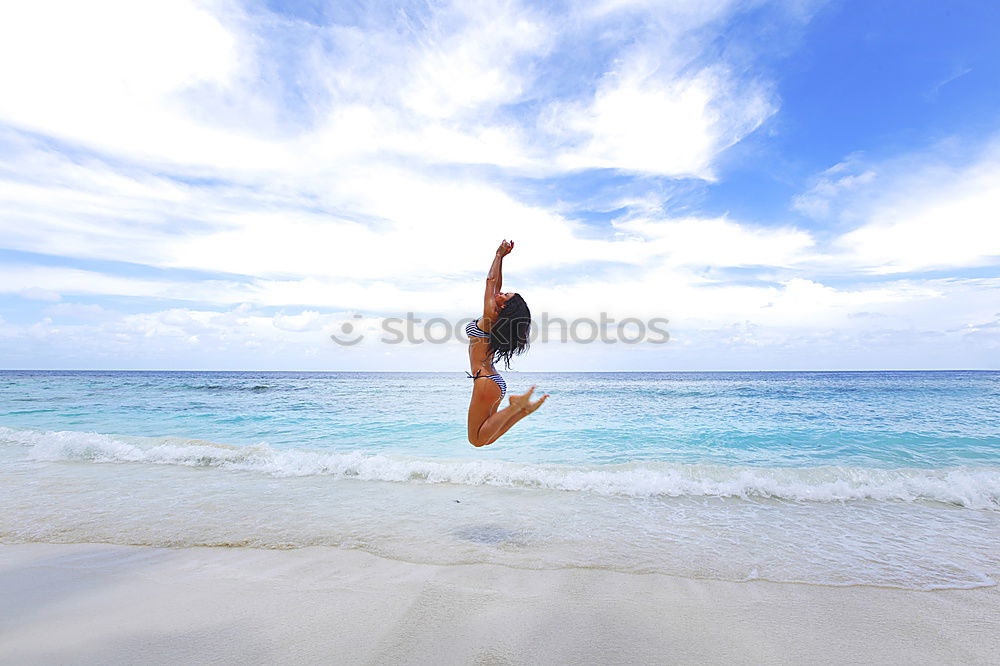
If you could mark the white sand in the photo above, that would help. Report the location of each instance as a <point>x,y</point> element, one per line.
<point>105,604</point>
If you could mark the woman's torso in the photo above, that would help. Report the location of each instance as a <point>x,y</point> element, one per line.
<point>480,358</point>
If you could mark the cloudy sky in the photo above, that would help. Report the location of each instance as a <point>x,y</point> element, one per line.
<point>794,184</point>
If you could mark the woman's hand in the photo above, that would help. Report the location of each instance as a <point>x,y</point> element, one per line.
<point>494,280</point>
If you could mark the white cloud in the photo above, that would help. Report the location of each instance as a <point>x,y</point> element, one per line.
<point>422,232</point>
<point>308,320</point>
<point>111,74</point>
<point>941,226</point>
<point>478,66</point>
<point>719,242</point>
<point>196,88</point>
<point>647,121</point>
<point>838,180</point>
<point>918,212</point>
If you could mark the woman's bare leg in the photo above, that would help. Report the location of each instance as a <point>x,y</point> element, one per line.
<point>500,422</point>
<point>520,406</point>
<point>486,398</point>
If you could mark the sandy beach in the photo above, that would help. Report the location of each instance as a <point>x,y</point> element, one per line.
<point>95,603</point>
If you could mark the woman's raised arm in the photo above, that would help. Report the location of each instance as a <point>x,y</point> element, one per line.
<point>494,281</point>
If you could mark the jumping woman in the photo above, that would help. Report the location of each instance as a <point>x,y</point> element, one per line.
<point>500,334</point>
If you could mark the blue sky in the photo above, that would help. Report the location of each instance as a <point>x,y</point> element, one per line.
<point>794,184</point>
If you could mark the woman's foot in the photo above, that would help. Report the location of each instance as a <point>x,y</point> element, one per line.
<point>523,402</point>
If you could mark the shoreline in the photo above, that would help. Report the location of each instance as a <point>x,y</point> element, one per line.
<point>93,603</point>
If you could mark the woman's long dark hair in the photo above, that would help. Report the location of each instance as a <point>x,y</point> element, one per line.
<point>509,333</point>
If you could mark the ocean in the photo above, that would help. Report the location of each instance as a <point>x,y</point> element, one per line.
<point>833,478</point>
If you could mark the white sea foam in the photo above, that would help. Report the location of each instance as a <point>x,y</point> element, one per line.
<point>971,487</point>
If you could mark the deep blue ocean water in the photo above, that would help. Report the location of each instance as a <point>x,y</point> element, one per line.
<point>886,478</point>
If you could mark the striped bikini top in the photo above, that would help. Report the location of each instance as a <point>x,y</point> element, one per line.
<point>473,331</point>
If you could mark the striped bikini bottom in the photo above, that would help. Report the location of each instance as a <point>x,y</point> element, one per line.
<point>495,377</point>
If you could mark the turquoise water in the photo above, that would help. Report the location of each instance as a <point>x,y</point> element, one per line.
<point>889,478</point>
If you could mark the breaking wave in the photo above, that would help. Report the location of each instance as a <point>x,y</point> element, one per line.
<point>971,487</point>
